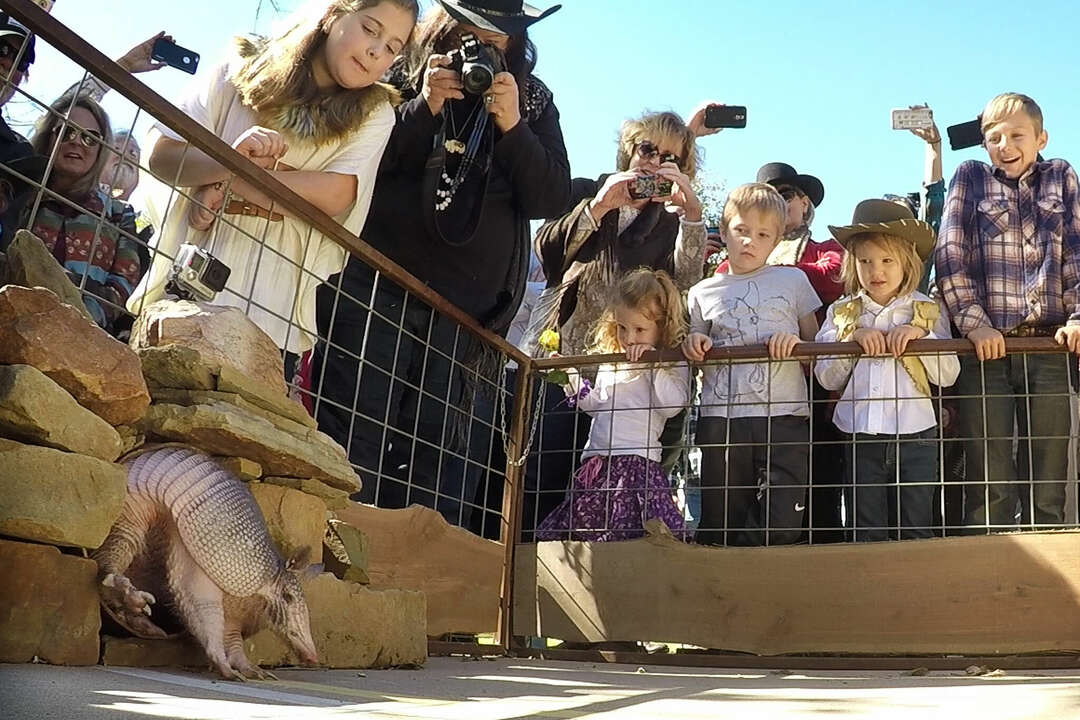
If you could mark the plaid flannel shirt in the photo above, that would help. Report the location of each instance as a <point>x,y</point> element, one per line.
<point>1009,250</point>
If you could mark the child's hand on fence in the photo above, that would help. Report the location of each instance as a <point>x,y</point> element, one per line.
<point>695,346</point>
<point>871,341</point>
<point>989,343</point>
<point>1069,336</point>
<point>781,345</point>
<point>900,336</point>
<point>634,352</point>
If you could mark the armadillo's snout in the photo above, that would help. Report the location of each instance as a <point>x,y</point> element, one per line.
<point>305,648</point>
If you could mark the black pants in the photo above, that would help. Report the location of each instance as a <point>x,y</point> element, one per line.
<point>1033,392</point>
<point>753,479</point>
<point>825,519</point>
<point>390,390</point>
<point>895,479</point>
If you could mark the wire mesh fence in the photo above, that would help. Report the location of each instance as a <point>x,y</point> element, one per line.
<point>993,452</point>
<point>413,389</point>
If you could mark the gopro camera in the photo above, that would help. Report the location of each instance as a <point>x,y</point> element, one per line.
<point>477,63</point>
<point>196,274</point>
<point>649,186</point>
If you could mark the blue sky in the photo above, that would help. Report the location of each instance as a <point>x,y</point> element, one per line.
<point>818,78</point>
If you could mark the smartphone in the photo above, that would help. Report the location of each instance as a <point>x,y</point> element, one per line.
<point>725,116</point>
<point>649,186</point>
<point>174,55</point>
<point>907,119</point>
<point>965,135</point>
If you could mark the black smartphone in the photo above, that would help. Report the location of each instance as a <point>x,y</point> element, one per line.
<point>174,55</point>
<point>725,116</point>
<point>965,135</point>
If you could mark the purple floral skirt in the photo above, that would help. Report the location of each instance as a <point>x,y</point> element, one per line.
<point>611,498</point>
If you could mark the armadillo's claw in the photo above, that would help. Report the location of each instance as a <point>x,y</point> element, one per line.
<point>109,580</point>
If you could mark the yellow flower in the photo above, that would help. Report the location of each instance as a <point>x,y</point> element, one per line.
<point>549,340</point>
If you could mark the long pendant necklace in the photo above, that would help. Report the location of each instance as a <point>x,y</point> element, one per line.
<point>448,186</point>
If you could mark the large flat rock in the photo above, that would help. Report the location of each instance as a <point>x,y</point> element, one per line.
<point>30,264</point>
<point>58,497</point>
<point>223,429</point>
<point>175,366</point>
<point>103,374</point>
<point>49,607</point>
<point>223,337</point>
<point>296,521</point>
<point>36,410</point>
<point>354,627</point>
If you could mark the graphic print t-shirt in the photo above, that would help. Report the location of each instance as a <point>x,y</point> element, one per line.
<point>748,309</point>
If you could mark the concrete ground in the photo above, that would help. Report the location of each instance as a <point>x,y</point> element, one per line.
<point>510,689</point>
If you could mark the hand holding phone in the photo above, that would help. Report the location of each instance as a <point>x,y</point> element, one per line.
<point>170,53</point>
<point>725,116</point>
<point>917,118</point>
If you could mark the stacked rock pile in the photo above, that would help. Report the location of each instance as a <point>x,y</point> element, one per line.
<point>74,401</point>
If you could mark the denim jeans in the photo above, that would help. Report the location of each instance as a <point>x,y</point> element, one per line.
<point>895,478</point>
<point>1032,391</point>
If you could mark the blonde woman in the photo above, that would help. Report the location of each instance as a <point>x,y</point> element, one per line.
<point>308,107</point>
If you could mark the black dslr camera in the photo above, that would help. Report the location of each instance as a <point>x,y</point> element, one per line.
<point>477,63</point>
<point>196,274</point>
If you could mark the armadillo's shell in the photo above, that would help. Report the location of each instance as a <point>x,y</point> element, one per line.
<point>215,515</point>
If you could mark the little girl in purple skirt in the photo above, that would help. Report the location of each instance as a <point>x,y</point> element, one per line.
<point>620,483</point>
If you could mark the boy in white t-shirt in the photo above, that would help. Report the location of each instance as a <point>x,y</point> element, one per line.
<point>754,429</point>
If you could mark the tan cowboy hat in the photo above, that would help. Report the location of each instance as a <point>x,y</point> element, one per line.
<point>892,218</point>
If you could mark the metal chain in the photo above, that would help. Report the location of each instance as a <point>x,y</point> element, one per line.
<point>502,419</point>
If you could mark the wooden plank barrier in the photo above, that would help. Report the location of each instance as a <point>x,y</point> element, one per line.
<point>989,595</point>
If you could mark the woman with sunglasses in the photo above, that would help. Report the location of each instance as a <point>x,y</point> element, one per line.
<point>584,254</point>
<point>101,256</point>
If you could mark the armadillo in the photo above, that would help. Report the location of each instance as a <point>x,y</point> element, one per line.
<point>192,532</point>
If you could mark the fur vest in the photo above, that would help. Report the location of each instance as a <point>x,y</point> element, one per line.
<point>319,118</point>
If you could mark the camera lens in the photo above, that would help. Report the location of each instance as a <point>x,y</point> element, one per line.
<point>477,78</point>
<point>216,275</point>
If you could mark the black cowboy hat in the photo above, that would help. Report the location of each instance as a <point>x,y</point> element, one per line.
<point>509,17</point>
<point>778,174</point>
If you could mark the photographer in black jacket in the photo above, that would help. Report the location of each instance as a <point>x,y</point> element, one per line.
<point>465,170</point>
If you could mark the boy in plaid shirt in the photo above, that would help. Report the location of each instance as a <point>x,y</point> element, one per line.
<point>1008,264</point>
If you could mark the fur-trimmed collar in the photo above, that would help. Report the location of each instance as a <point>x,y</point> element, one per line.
<point>323,119</point>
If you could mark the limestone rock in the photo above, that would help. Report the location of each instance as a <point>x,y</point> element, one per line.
<point>354,627</point>
<point>56,497</point>
<point>130,437</point>
<point>246,470</point>
<point>334,498</point>
<point>223,429</point>
<point>36,410</point>
<point>213,397</point>
<point>296,521</point>
<point>103,374</point>
<point>222,335</point>
<point>345,552</point>
<point>30,264</point>
<point>140,652</point>
<point>49,607</point>
<point>175,366</point>
<point>257,393</point>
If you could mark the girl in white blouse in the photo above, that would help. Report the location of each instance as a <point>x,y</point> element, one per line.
<point>620,483</point>
<point>886,403</point>
<point>308,107</point>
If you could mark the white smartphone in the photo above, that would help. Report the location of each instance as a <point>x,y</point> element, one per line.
<point>917,119</point>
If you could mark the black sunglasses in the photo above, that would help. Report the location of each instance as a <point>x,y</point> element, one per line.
<point>7,50</point>
<point>647,150</point>
<point>788,193</point>
<point>87,138</point>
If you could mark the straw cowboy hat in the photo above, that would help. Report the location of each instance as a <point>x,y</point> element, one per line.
<point>892,218</point>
